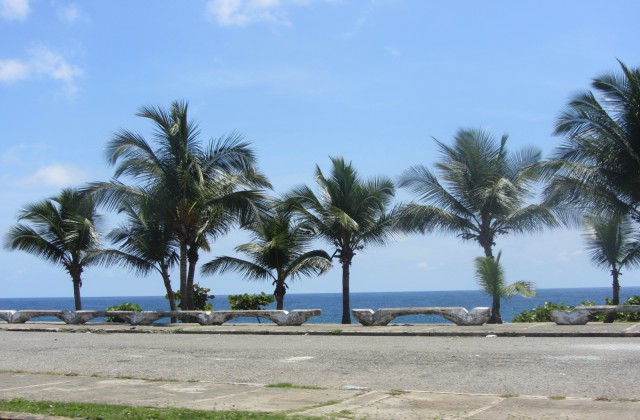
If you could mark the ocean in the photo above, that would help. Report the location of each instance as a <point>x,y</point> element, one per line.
<point>331,303</point>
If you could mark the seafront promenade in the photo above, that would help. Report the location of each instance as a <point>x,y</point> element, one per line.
<point>399,371</point>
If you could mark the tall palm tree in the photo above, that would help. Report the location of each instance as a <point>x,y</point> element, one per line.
<point>598,165</point>
<point>482,192</point>
<point>145,243</point>
<point>349,212</point>
<point>278,252</point>
<point>611,244</point>
<point>203,190</point>
<point>491,279</point>
<point>62,230</point>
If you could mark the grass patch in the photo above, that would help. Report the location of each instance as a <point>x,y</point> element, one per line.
<point>335,332</point>
<point>26,372</point>
<point>509,395</point>
<point>609,399</point>
<point>557,397</point>
<point>397,392</point>
<point>93,375</point>
<point>627,400</point>
<point>292,386</point>
<point>120,412</point>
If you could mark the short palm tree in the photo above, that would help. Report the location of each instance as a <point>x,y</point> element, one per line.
<point>349,212</point>
<point>611,244</point>
<point>62,230</point>
<point>145,243</point>
<point>279,251</point>
<point>203,190</point>
<point>490,276</point>
<point>481,191</point>
<point>598,165</point>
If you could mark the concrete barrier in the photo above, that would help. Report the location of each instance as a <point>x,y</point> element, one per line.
<point>580,315</point>
<point>458,315</point>
<point>295,317</point>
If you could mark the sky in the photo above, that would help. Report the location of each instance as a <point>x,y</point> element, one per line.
<point>374,81</point>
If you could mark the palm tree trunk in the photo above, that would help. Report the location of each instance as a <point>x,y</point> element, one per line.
<point>279,293</point>
<point>488,251</point>
<point>77,283</point>
<point>193,260</point>
<point>346,306</point>
<point>616,294</point>
<point>183,273</point>
<point>616,287</point>
<point>170,295</point>
<point>495,318</point>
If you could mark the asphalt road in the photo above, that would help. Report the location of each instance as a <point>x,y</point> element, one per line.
<point>558,366</point>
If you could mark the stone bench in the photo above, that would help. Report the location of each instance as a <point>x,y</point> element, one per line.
<point>580,315</point>
<point>295,317</point>
<point>458,315</point>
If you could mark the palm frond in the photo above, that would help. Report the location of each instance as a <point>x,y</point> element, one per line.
<point>480,190</point>
<point>248,269</point>
<point>490,275</point>
<point>520,288</point>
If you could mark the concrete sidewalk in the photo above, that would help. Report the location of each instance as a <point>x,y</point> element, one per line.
<point>332,403</point>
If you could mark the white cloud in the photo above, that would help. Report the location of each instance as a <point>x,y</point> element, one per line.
<point>423,265</point>
<point>42,63</point>
<point>14,9</point>
<point>49,63</point>
<point>244,12</point>
<point>13,71</point>
<point>71,13</point>
<point>55,175</point>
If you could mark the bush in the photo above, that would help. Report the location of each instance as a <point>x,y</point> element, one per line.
<point>249,302</point>
<point>124,306</point>
<point>541,313</point>
<point>627,317</point>
<point>201,298</point>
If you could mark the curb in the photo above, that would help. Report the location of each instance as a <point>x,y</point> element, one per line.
<point>337,332</point>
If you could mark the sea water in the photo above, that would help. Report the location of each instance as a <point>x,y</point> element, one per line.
<point>331,303</point>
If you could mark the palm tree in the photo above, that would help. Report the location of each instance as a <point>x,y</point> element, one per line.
<point>350,213</point>
<point>278,252</point>
<point>490,276</point>
<point>482,193</point>
<point>598,165</point>
<point>203,190</point>
<point>145,243</point>
<point>611,244</point>
<point>61,230</point>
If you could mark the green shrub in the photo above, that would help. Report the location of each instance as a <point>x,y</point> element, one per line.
<point>541,313</point>
<point>124,306</point>
<point>201,298</point>
<point>627,317</point>
<point>249,302</point>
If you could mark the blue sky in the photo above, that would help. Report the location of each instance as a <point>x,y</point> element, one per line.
<point>373,81</point>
